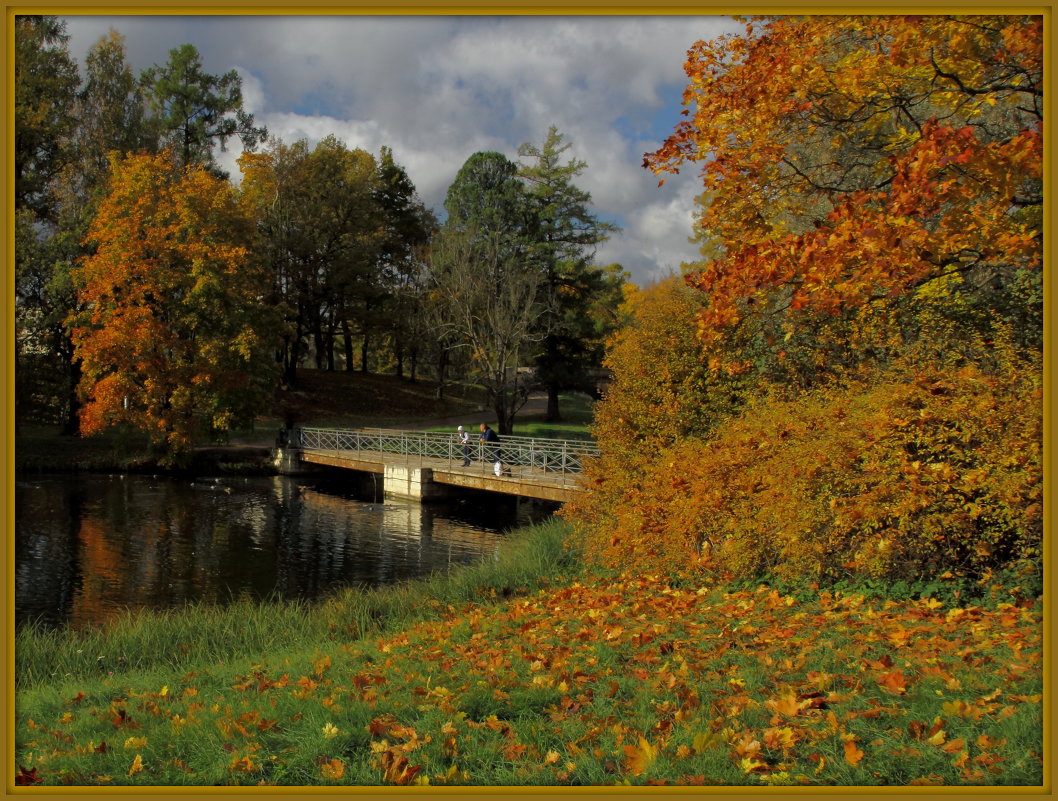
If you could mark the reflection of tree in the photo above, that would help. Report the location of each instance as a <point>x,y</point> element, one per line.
<point>103,574</point>
<point>90,548</point>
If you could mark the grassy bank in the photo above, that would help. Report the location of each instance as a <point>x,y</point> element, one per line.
<point>534,670</point>
<point>188,639</point>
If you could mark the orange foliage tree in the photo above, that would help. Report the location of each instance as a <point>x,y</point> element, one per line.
<point>849,159</point>
<point>868,319</point>
<point>174,338</point>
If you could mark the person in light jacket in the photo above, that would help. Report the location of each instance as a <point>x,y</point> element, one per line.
<point>464,442</point>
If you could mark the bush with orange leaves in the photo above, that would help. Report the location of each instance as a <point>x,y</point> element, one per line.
<point>914,471</point>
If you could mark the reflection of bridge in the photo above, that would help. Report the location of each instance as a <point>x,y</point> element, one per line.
<point>421,464</point>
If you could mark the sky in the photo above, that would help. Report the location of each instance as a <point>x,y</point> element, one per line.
<point>437,89</point>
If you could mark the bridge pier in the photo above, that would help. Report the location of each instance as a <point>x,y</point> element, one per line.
<point>287,461</point>
<point>411,483</point>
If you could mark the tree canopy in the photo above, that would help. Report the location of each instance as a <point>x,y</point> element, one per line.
<point>174,338</point>
<point>846,160</point>
<point>193,111</point>
<point>860,389</point>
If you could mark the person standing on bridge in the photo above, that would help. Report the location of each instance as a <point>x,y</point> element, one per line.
<point>491,438</point>
<point>464,442</point>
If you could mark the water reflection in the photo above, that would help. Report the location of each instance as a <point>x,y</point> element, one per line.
<point>89,547</point>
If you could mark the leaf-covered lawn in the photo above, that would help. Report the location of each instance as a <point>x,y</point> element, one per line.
<point>619,680</point>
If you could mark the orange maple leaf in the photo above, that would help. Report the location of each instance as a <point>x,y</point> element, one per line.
<point>333,769</point>
<point>894,682</point>
<point>853,754</point>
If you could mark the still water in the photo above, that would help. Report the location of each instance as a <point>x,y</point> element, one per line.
<point>89,547</point>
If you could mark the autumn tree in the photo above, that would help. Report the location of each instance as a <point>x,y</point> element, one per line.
<point>869,303</point>
<point>174,338</point>
<point>856,161</point>
<point>109,113</point>
<point>563,234</point>
<point>193,111</point>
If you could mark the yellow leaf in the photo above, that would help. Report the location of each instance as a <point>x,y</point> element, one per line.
<point>551,758</point>
<point>330,730</point>
<point>703,741</point>
<point>639,758</point>
<point>853,754</point>
<point>783,738</point>
<point>938,738</point>
<point>137,765</point>
<point>749,765</point>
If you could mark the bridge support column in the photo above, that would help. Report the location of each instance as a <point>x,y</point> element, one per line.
<point>287,461</point>
<point>411,483</point>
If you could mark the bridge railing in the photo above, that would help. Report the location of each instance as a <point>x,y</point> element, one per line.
<point>518,455</point>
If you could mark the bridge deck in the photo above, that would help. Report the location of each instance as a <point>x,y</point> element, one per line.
<point>525,481</point>
<point>533,468</point>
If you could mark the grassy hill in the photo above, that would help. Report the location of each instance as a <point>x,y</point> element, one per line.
<point>359,399</point>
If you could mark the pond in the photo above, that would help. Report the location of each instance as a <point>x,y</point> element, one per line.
<point>89,547</point>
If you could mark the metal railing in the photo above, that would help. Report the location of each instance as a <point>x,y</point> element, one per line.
<point>519,456</point>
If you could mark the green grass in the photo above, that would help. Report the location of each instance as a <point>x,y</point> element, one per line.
<point>537,669</point>
<point>576,410</point>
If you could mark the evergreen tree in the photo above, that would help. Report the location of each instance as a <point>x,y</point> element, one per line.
<point>192,110</point>
<point>564,234</point>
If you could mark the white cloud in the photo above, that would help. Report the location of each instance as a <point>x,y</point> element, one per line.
<point>438,89</point>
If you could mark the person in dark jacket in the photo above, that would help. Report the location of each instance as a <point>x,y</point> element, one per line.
<point>491,439</point>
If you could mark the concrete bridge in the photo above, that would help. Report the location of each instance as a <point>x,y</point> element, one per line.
<point>424,465</point>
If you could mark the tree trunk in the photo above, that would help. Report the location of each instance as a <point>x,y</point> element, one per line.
<point>347,337</point>
<point>329,344</point>
<point>553,415</point>
<point>442,369</point>
<point>317,339</point>
<point>292,356</point>
<point>504,408</point>
<point>72,425</point>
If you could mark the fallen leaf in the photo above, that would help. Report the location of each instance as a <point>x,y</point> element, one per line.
<point>853,754</point>
<point>333,769</point>
<point>639,757</point>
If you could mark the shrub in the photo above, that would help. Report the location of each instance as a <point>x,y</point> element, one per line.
<point>921,469</point>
